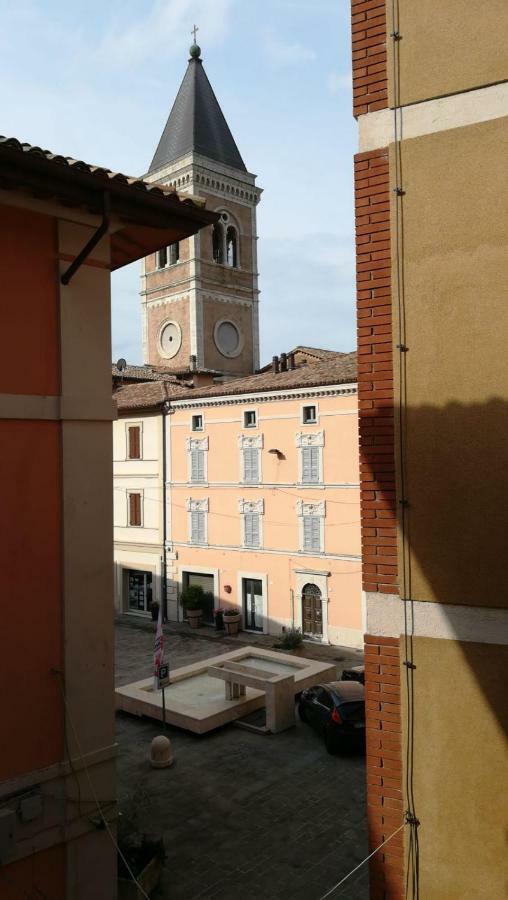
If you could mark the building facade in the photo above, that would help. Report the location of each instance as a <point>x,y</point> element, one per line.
<point>431,98</point>
<point>200,296</point>
<point>57,759</point>
<point>261,499</point>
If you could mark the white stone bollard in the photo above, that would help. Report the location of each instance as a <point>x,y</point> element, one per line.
<point>161,754</point>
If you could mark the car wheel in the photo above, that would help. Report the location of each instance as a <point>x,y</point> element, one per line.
<point>302,713</point>
<point>330,742</point>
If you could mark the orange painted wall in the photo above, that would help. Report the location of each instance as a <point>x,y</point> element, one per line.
<point>41,875</point>
<point>29,362</point>
<point>32,632</point>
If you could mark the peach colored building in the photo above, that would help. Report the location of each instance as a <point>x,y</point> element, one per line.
<point>262,498</point>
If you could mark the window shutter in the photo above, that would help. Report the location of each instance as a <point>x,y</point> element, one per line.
<point>252,531</point>
<point>310,464</point>
<point>134,509</point>
<point>134,442</point>
<point>197,465</point>
<point>250,465</point>
<point>311,533</point>
<point>197,527</point>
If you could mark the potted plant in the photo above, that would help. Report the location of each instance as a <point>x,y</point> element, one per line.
<point>232,620</point>
<point>218,615</point>
<point>193,602</point>
<point>290,641</point>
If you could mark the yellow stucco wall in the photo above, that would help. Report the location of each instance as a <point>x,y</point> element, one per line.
<point>459,795</point>
<point>455,244</point>
<point>447,47</point>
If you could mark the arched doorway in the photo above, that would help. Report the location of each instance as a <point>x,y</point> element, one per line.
<point>312,611</point>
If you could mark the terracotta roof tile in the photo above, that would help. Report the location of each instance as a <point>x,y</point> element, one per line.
<point>340,369</point>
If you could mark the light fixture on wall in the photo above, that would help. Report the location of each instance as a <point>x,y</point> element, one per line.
<point>227,588</point>
<point>278,453</point>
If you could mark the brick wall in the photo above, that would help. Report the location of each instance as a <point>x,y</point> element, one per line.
<point>375,372</point>
<point>370,86</point>
<point>385,804</point>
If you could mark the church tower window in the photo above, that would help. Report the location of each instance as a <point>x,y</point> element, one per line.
<point>168,256</point>
<point>218,243</point>
<point>231,247</point>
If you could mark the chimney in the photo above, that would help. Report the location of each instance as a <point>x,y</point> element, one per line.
<point>291,359</point>
<point>275,365</point>
<point>283,362</point>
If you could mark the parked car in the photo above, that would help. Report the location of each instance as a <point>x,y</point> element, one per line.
<point>337,711</point>
<point>355,673</point>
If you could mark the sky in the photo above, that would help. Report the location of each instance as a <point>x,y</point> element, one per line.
<point>96,81</point>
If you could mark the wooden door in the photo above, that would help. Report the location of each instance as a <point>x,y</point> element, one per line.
<point>312,612</point>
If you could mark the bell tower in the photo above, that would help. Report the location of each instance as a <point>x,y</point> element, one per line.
<point>200,297</point>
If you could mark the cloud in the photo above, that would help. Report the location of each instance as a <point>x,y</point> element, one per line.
<point>166,28</point>
<point>282,53</point>
<point>338,82</point>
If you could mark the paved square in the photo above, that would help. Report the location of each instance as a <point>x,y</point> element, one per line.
<point>244,816</point>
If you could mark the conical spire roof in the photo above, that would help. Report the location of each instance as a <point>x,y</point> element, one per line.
<point>196,123</point>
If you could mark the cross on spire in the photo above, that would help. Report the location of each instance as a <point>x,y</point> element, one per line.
<point>193,32</point>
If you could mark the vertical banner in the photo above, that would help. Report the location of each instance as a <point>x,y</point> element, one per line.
<point>158,650</point>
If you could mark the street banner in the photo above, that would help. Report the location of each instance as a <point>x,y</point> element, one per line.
<point>158,650</point>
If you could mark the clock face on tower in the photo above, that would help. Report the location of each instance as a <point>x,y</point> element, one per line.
<point>170,339</point>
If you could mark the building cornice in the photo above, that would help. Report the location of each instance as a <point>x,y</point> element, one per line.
<point>267,396</point>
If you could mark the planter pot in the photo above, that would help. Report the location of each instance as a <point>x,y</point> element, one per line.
<point>194,616</point>
<point>148,878</point>
<point>232,623</point>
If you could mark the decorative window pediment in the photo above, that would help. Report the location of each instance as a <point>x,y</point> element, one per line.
<point>197,443</point>
<point>251,506</point>
<point>311,509</point>
<point>317,439</point>
<point>254,442</point>
<point>197,505</point>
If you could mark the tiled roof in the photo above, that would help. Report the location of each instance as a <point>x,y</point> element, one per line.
<point>106,176</point>
<point>150,216</point>
<point>148,395</point>
<point>340,369</point>
<point>142,373</point>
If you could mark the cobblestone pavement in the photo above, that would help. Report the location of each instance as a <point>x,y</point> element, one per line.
<point>244,816</point>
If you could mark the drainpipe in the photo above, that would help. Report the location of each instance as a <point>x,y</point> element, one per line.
<point>164,598</point>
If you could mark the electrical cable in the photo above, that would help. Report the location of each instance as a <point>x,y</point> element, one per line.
<point>359,866</point>
<point>92,789</point>
<point>412,863</point>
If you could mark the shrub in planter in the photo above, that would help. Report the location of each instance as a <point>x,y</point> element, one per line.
<point>143,853</point>
<point>290,640</point>
<point>232,620</point>
<point>193,602</point>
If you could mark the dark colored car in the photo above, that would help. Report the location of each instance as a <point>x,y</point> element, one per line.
<point>337,711</point>
<point>355,673</point>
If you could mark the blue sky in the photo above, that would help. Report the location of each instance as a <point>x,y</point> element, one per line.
<point>96,81</point>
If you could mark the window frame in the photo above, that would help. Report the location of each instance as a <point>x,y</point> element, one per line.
<point>315,512</point>
<point>128,427</point>
<point>305,406</point>
<point>168,255</point>
<point>197,507</point>
<point>197,416</point>
<point>248,412</point>
<point>138,492</point>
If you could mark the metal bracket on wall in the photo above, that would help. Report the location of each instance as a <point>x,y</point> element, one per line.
<point>92,243</point>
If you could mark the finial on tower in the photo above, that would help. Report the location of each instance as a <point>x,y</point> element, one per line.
<point>195,51</point>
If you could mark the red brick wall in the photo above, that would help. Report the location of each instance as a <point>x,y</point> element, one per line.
<point>384,766</point>
<point>370,85</point>
<point>375,372</point>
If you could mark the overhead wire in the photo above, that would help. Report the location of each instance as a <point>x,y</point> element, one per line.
<point>413,854</point>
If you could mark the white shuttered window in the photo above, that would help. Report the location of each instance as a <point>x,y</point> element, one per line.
<point>312,533</point>
<point>252,533</point>
<point>310,465</point>
<point>250,465</point>
<point>198,527</point>
<point>197,466</point>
